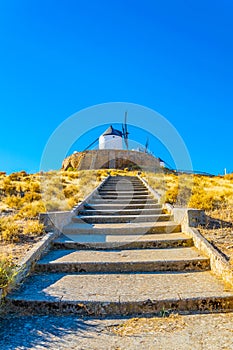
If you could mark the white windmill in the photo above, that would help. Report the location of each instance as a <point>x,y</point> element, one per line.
<point>112,138</point>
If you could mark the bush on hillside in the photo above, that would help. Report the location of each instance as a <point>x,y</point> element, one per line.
<point>33,227</point>
<point>6,270</point>
<point>207,201</point>
<point>9,230</point>
<point>31,210</point>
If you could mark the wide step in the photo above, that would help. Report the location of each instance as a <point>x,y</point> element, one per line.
<point>123,188</point>
<point>149,241</point>
<point>122,218</point>
<point>117,206</point>
<point>139,260</point>
<point>119,229</point>
<point>121,294</point>
<point>123,201</point>
<point>113,211</point>
<point>122,191</point>
<point>122,197</point>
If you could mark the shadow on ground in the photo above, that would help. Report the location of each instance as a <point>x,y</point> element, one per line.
<point>212,223</point>
<point>43,332</point>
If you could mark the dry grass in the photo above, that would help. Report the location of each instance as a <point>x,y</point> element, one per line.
<point>13,230</point>
<point>16,238</point>
<point>193,191</point>
<point>7,267</point>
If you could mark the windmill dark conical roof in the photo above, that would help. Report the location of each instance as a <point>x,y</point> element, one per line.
<point>112,131</point>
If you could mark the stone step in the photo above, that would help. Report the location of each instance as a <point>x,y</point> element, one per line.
<point>123,189</point>
<point>110,219</point>
<point>125,206</point>
<point>114,211</point>
<point>121,229</point>
<point>118,200</point>
<point>162,240</point>
<point>125,294</point>
<point>138,260</point>
<point>122,193</point>
<point>122,197</point>
<point>124,185</point>
<point>123,182</point>
<point>123,179</point>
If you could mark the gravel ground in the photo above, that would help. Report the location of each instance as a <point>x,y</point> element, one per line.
<point>192,332</point>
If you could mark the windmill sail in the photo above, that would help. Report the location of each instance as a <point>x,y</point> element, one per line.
<point>125,132</point>
<point>146,145</point>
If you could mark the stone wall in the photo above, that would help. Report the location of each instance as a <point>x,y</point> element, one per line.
<point>111,159</point>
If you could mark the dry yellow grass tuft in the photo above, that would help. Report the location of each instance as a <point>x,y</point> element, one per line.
<point>9,230</point>
<point>32,227</point>
<point>7,268</point>
<point>193,191</point>
<point>13,230</point>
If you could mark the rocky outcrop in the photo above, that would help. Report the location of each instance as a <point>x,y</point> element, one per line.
<point>110,159</point>
<point>73,161</point>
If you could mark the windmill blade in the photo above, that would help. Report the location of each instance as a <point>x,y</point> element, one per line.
<point>147,144</point>
<point>124,136</point>
<point>125,131</point>
<point>126,113</point>
<point>91,145</point>
<point>126,143</point>
<point>126,126</point>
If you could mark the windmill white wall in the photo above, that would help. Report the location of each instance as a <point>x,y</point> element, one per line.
<point>111,139</point>
<point>110,142</point>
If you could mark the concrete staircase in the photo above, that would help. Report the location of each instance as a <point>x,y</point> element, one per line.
<point>122,254</point>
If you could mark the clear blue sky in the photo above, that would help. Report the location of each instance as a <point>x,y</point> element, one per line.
<point>174,56</point>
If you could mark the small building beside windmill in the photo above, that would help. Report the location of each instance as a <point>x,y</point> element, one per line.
<point>111,139</point>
